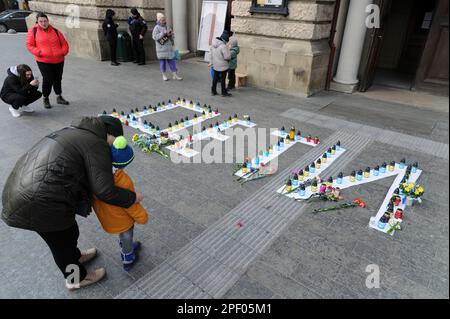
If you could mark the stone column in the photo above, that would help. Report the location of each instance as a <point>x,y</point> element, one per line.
<point>168,11</point>
<point>346,78</point>
<point>180,26</point>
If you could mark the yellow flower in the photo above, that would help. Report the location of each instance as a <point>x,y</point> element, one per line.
<point>411,185</point>
<point>421,189</point>
<point>135,138</point>
<point>405,185</point>
<point>407,189</point>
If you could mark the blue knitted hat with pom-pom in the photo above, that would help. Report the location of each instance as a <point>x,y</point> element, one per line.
<point>122,153</point>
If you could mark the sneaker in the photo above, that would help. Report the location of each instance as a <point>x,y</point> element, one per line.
<point>129,260</point>
<point>61,100</point>
<point>165,77</point>
<point>14,112</point>
<point>47,104</point>
<point>91,278</point>
<point>115,63</point>
<point>177,77</point>
<point>26,109</point>
<point>87,255</point>
<point>227,94</point>
<point>136,245</point>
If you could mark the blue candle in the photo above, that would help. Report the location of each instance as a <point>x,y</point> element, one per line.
<point>359,176</point>
<point>295,180</point>
<point>414,167</point>
<point>383,168</point>
<point>376,171</point>
<point>338,146</point>
<point>302,191</point>
<point>329,153</point>
<point>340,178</point>
<point>402,164</point>
<point>266,153</point>
<point>312,168</point>
<point>257,161</point>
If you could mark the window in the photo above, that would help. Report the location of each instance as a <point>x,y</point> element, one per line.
<point>270,6</point>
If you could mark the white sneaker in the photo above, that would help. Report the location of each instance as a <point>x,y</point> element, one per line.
<point>165,77</point>
<point>177,77</point>
<point>26,109</point>
<point>91,278</point>
<point>87,255</point>
<point>14,112</point>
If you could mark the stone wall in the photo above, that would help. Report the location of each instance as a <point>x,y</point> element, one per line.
<point>88,40</point>
<point>289,54</point>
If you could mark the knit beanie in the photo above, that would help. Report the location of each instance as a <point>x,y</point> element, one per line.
<point>122,154</point>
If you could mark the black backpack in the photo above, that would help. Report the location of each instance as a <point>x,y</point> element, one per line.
<point>56,31</point>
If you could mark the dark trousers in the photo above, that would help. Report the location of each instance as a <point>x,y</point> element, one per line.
<point>51,76</point>
<point>219,76</point>
<point>17,100</point>
<point>231,78</point>
<point>63,245</point>
<point>113,49</point>
<point>139,52</point>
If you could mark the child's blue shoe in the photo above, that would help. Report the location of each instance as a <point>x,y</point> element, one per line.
<point>136,246</point>
<point>128,260</point>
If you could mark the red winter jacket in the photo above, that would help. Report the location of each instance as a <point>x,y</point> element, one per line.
<point>47,46</point>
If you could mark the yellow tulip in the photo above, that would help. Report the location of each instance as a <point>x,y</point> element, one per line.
<point>407,190</point>
<point>411,185</point>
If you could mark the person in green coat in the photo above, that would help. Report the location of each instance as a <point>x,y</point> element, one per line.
<point>234,50</point>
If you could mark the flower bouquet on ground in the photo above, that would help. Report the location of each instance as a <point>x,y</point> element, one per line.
<point>412,192</point>
<point>149,144</point>
<point>357,202</point>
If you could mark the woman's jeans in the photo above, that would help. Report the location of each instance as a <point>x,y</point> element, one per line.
<point>172,65</point>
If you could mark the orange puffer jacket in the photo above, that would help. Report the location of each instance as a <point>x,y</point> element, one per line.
<point>115,219</point>
<point>47,46</point>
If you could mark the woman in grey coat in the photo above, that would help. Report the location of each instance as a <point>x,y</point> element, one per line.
<point>164,40</point>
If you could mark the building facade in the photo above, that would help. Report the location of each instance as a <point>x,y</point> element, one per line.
<point>306,47</point>
<point>86,38</point>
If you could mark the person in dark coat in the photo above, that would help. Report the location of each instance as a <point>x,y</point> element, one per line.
<point>138,28</point>
<point>55,180</point>
<point>20,89</point>
<point>110,29</point>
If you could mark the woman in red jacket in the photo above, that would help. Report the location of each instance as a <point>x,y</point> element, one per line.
<point>49,47</point>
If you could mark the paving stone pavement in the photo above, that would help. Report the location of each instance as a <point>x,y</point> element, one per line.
<point>192,247</point>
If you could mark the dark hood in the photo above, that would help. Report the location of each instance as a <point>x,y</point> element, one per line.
<point>91,124</point>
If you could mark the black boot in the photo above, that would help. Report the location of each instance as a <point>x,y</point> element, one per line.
<point>61,100</point>
<point>47,104</point>
<point>115,63</point>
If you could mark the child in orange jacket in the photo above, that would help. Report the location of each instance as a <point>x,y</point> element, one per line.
<point>118,220</point>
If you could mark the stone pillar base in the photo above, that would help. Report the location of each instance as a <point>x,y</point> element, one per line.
<point>344,88</point>
<point>295,67</point>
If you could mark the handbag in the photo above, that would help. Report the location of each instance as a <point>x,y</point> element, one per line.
<point>177,55</point>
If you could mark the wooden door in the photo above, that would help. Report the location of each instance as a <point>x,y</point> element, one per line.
<point>432,73</point>
<point>375,45</point>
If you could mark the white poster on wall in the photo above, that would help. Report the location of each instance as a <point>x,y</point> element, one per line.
<point>212,23</point>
